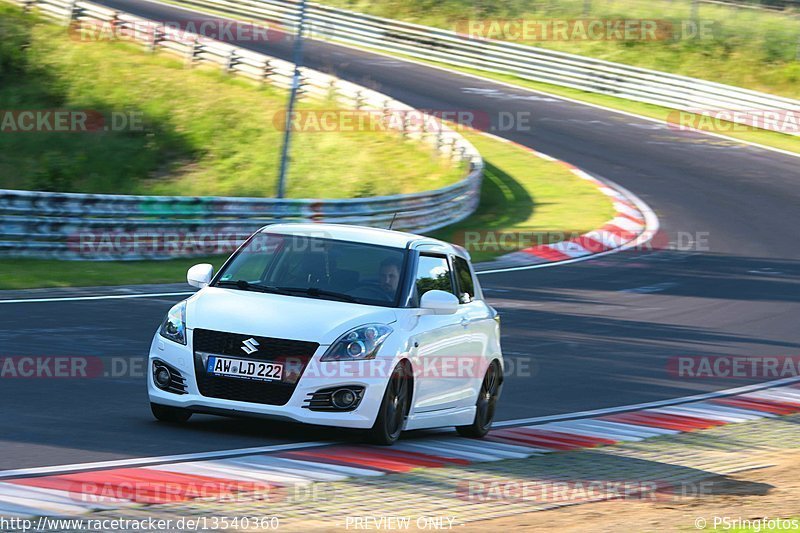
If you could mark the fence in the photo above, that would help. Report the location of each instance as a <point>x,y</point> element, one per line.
<point>526,62</point>
<point>97,226</point>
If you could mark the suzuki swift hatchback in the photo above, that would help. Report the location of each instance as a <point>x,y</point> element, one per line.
<point>334,325</point>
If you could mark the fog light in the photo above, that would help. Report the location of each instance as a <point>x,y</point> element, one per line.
<point>344,398</point>
<point>162,377</point>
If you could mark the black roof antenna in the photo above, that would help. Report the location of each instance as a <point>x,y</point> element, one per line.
<point>393,219</point>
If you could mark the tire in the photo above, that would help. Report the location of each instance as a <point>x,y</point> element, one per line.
<point>485,405</point>
<point>173,415</point>
<point>394,408</point>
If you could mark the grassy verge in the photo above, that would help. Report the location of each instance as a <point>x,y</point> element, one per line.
<point>522,194</point>
<point>202,132</point>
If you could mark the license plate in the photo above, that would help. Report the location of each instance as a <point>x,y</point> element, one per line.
<point>241,368</point>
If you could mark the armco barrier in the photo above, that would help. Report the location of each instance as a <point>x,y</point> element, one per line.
<point>527,62</point>
<point>101,227</point>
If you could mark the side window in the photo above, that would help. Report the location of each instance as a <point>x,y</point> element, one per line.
<point>466,287</point>
<point>433,273</point>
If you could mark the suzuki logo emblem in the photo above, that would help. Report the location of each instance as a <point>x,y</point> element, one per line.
<point>250,346</point>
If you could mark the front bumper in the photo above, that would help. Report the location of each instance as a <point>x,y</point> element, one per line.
<point>372,375</point>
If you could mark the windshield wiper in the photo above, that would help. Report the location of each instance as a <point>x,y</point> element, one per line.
<point>315,292</point>
<point>247,286</point>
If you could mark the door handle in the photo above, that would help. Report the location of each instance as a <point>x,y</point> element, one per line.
<point>465,321</point>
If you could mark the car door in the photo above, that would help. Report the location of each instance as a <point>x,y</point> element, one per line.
<point>441,341</point>
<point>478,322</point>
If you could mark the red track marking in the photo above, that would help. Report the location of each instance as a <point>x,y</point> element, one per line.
<point>545,252</point>
<point>527,441</point>
<point>619,232</point>
<point>547,439</point>
<point>663,421</point>
<point>582,440</point>
<point>590,245</point>
<point>631,218</point>
<point>418,456</point>
<point>361,458</point>
<point>140,485</point>
<point>768,406</point>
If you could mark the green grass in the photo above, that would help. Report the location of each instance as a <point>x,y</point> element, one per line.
<point>521,193</point>
<point>204,132</point>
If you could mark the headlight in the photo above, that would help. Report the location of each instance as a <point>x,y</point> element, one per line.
<point>358,344</point>
<point>174,325</point>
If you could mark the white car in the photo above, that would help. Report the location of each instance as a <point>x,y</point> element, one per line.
<point>333,325</point>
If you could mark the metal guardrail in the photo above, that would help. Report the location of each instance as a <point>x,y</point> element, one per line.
<point>100,226</point>
<point>526,62</point>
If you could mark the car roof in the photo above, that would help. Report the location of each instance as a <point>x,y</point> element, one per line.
<point>363,234</point>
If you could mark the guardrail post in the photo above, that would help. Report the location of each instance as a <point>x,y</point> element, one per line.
<point>266,72</point>
<point>332,90</point>
<point>191,54</point>
<point>72,12</point>
<point>27,5</point>
<point>230,62</point>
<point>155,39</point>
<point>114,23</point>
<point>358,100</point>
<point>303,81</point>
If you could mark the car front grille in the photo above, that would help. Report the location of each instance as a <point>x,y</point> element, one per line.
<point>294,355</point>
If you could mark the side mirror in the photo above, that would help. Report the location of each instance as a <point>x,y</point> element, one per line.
<point>200,275</point>
<point>440,302</point>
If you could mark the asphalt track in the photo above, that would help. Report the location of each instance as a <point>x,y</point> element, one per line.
<point>595,334</point>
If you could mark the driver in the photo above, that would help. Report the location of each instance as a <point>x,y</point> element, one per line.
<point>389,276</point>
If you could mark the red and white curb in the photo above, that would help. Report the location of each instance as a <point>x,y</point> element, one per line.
<point>77,492</point>
<point>634,224</point>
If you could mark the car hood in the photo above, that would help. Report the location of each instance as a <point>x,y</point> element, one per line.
<point>279,316</point>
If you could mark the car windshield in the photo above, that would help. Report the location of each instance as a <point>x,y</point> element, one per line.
<point>315,267</point>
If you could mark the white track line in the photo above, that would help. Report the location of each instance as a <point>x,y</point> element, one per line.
<point>84,298</point>
<point>152,461</point>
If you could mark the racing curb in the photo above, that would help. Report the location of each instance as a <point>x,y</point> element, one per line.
<point>634,225</point>
<point>175,482</point>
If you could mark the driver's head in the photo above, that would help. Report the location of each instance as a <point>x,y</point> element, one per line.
<point>389,275</point>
